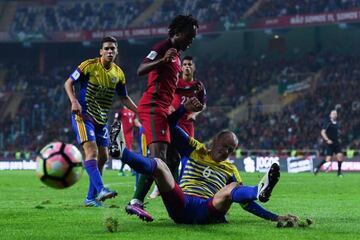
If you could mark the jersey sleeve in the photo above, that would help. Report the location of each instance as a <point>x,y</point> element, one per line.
<point>184,144</point>
<point>155,53</point>
<point>235,175</point>
<point>121,90</point>
<point>121,85</point>
<point>325,125</point>
<point>80,71</point>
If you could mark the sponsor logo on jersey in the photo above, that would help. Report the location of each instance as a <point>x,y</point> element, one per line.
<point>152,55</point>
<point>75,75</point>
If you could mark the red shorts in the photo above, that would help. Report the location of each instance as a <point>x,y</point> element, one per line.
<point>156,126</point>
<point>188,127</point>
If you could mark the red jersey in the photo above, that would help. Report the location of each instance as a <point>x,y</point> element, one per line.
<point>185,123</point>
<point>162,81</point>
<point>179,98</point>
<point>127,118</point>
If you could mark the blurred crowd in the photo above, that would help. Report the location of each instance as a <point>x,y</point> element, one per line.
<point>110,14</point>
<point>77,15</point>
<point>205,11</point>
<point>298,126</point>
<point>275,8</point>
<point>44,112</point>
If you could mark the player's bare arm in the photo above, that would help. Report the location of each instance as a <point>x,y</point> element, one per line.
<point>145,68</point>
<point>325,137</point>
<point>70,91</point>
<point>129,103</point>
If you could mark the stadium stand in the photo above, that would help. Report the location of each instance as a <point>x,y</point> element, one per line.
<point>299,125</point>
<point>275,8</point>
<point>284,130</point>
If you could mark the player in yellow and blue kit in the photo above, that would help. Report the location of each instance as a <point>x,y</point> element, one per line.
<point>210,182</point>
<point>99,79</point>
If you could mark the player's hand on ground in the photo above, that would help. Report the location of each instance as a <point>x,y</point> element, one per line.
<point>193,105</point>
<point>288,217</point>
<point>170,55</point>
<point>76,107</point>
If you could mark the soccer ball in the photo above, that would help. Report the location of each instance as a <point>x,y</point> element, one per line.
<point>59,165</point>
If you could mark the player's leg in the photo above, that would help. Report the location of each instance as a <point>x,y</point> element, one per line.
<point>136,204</point>
<point>157,134</point>
<point>328,155</point>
<point>171,193</point>
<point>152,167</point>
<point>340,159</point>
<point>103,155</point>
<point>240,194</point>
<point>91,167</point>
<point>121,171</point>
<point>102,158</point>
<point>158,150</point>
<point>173,161</point>
<point>246,195</point>
<point>84,131</point>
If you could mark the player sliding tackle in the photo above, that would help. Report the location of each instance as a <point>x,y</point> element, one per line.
<point>210,183</point>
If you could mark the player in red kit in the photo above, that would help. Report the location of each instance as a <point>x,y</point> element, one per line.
<point>186,88</point>
<point>163,67</point>
<point>129,121</point>
<point>187,82</point>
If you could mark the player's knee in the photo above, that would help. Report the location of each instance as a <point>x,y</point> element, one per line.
<point>229,188</point>
<point>225,192</point>
<point>161,167</point>
<point>91,152</point>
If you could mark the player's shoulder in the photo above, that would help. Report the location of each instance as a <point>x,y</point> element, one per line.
<point>88,63</point>
<point>200,149</point>
<point>229,166</point>
<point>325,123</point>
<point>162,46</point>
<point>119,72</point>
<point>118,69</point>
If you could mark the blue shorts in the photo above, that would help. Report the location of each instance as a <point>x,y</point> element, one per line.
<point>188,209</point>
<point>87,130</point>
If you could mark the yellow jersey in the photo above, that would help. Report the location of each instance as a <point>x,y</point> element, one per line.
<point>97,87</point>
<point>202,176</point>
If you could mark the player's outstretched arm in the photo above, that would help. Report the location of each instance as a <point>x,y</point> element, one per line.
<point>179,137</point>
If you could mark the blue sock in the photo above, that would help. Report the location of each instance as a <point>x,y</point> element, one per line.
<point>242,194</point>
<point>92,169</point>
<point>138,162</point>
<point>92,191</point>
<point>256,209</point>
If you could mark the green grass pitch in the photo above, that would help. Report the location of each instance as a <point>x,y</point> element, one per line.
<point>30,210</point>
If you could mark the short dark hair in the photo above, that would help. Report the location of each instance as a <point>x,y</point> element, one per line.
<point>108,39</point>
<point>182,23</point>
<point>188,57</point>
